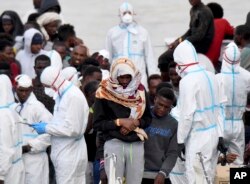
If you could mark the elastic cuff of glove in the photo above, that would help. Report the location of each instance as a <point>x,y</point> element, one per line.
<point>163,173</point>
<point>101,167</point>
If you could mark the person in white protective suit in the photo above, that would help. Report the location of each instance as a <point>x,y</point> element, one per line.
<point>178,173</point>
<point>235,81</point>
<point>67,127</point>
<point>129,39</point>
<point>11,164</point>
<point>199,124</point>
<point>34,146</point>
<point>70,73</point>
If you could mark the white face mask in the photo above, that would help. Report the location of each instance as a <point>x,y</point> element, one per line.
<point>127,18</point>
<point>50,92</point>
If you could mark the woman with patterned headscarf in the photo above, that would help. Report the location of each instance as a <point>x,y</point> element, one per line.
<point>121,112</point>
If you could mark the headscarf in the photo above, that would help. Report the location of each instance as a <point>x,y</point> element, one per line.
<point>47,18</point>
<point>133,96</point>
<point>231,58</point>
<point>18,28</point>
<point>23,81</point>
<point>6,94</point>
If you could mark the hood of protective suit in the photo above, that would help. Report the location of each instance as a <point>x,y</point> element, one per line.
<point>55,59</point>
<point>231,58</point>
<point>28,36</point>
<point>125,7</point>
<point>71,74</point>
<point>52,76</point>
<point>6,94</point>
<point>185,53</point>
<point>186,57</point>
<point>47,18</point>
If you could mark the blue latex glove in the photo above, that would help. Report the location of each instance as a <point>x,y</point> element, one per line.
<point>39,127</point>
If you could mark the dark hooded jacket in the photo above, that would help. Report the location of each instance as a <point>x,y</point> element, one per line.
<point>46,5</point>
<point>18,28</point>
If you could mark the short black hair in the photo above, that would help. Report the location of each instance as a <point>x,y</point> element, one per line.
<point>244,31</point>
<point>5,43</point>
<point>58,44</point>
<point>91,61</point>
<point>42,58</point>
<point>164,85</point>
<point>166,93</point>
<point>216,9</point>
<point>90,70</point>
<point>91,87</point>
<point>153,77</point>
<point>172,64</point>
<point>5,36</point>
<point>65,31</point>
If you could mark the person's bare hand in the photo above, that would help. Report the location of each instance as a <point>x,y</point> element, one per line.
<point>124,131</point>
<point>231,157</point>
<point>127,123</point>
<point>159,179</point>
<point>136,122</point>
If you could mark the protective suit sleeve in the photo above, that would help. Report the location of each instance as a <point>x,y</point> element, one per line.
<point>41,142</point>
<point>187,109</point>
<point>108,46</point>
<point>101,122</point>
<point>170,155</point>
<point>149,57</point>
<point>6,144</point>
<point>71,125</point>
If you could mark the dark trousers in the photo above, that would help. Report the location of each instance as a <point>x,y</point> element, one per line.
<point>151,181</point>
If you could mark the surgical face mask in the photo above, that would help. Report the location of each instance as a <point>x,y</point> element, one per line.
<point>127,18</point>
<point>50,92</point>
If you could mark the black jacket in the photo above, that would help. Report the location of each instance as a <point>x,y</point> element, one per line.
<point>105,114</point>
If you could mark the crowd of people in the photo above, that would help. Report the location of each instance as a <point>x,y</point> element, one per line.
<point>69,116</point>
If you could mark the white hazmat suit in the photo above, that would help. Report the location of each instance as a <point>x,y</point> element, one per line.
<point>199,120</point>
<point>68,147</point>
<point>235,81</point>
<point>36,161</point>
<point>128,39</point>
<point>11,164</point>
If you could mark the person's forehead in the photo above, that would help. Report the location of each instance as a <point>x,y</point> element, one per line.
<point>42,63</point>
<point>80,50</point>
<point>52,23</point>
<point>155,81</point>
<point>20,88</point>
<point>163,100</point>
<point>8,48</point>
